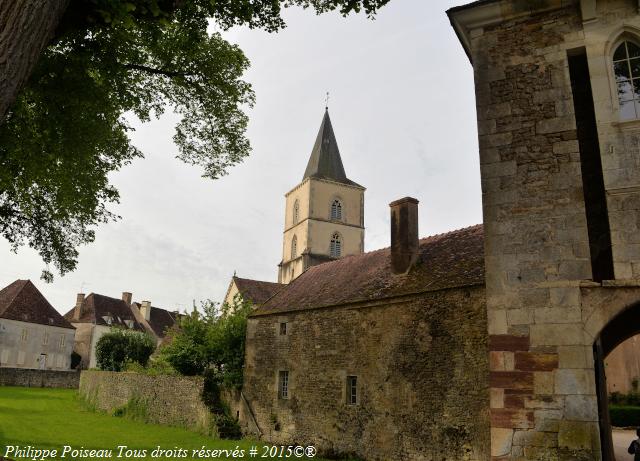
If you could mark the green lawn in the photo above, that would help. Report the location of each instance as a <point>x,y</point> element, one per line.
<point>52,418</point>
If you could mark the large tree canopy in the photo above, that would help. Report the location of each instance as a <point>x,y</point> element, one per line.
<point>66,130</point>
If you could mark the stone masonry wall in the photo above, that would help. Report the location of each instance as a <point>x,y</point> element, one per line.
<point>421,367</point>
<point>541,326</point>
<point>170,400</point>
<point>39,378</point>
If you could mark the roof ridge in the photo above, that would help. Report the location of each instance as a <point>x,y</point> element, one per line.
<point>17,292</point>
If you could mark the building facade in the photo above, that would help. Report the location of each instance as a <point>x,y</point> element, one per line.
<point>381,355</point>
<point>32,333</point>
<point>558,127</point>
<point>324,214</point>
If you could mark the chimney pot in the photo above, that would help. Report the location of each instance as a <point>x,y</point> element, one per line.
<point>145,309</point>
<point>404,234</point>
<point>77,310</point>
<point>126,297</point>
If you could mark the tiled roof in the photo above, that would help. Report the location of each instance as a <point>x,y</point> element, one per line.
<point>256,291</point>
<point>96,307</point>
<point>22,301</point>
<point>160,320</point>
<point>325,161</point>
<point>454,259</point>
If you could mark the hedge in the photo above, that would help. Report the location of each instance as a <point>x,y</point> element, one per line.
<point>624,415</point>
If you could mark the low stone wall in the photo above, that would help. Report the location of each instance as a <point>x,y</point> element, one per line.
<point>39,378</point>
<point>169,400</point>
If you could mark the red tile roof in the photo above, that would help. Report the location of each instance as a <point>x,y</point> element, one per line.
<point>22,301</point>
<point>257,291</point>
<point>454,259</point>
<point>96,307</point>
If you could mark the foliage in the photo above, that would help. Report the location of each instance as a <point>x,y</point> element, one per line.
<point>212,340</point>
<point>632,398</point>
<point>116,348</point>
<point>66,132</point>
<point>155,367</point>
<point>135,409</point>
<point>624,415</point>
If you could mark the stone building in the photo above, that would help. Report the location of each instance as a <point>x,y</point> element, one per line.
<point>32,333</point>
<point>255,291</point>
<point>324,214</point>
<point>381,354</point>
<point>95,315</point>
<point>559,130</point>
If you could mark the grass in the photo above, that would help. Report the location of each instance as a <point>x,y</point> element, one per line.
<point>52,418</point>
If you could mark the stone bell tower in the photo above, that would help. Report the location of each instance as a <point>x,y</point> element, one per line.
<point>324,214</point>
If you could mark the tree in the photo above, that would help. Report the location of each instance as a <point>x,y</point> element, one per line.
<point>118,347</point>
<point>212,341</point>
<point>65,131</point>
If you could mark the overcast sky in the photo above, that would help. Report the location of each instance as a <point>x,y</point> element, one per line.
<point>403,110</point>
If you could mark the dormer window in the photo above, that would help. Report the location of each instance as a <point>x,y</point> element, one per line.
<point>129,323</point>
<point>107,319</point>
<point>335,249</point>
<point>336,210</point>
<point>626,68</point>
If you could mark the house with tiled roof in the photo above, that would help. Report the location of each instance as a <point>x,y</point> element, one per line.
<point>255,291</point>
<point>381,354</point>
<point>32,332</point>
<point>96,314</point>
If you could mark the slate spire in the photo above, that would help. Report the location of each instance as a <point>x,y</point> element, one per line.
<point>325,161</point>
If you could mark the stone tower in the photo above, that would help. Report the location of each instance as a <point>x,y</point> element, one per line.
<point>324,214</point>
<point>558,107</point>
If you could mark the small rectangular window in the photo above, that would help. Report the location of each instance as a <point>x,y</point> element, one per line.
<point>45,338</point>
<point>352,390</point>
<point>63,341</point>
<point>283,328</point>
<point>24,335</point>
<point>284,385</point>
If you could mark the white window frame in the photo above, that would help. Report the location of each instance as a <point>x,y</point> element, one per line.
<point>634,82</point>
<point>335,245</point>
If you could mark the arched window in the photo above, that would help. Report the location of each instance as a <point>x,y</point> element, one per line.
<point>335,249</point>
<point>336,210</point>
<point>626,67</point>
<point>294,247</point>
<point>296,212</point>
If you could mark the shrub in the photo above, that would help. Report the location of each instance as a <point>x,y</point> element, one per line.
<point>116,348</point>
<point>624,415</point>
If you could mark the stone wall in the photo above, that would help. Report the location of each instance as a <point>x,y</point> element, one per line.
<point>544,311</point>
<point>39,378</point>
<point>170,400</point>
<point>421,367</point>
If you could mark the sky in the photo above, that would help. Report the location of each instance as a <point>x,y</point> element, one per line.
<point>402,106</point>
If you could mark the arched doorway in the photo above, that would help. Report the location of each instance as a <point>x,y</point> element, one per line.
<point>620,328</point>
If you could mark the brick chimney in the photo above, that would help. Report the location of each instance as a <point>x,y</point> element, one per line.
<point>126,297</point>
<point>404,234</point>
<point>77,311</point>
<point>145,309</point>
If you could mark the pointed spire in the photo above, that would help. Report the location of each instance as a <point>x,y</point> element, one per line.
<point>325,161</point>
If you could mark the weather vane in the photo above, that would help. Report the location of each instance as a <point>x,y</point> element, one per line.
<point>326,101</point>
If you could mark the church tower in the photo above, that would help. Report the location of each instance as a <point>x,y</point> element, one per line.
<point>324,216</point>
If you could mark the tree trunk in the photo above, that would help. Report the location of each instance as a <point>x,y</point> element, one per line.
<point>26,28</point>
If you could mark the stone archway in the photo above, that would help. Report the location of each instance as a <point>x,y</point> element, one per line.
<point>614,317</point>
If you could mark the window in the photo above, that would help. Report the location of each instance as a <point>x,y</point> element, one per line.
<point>336,210</point>
<point>335,249</point>
<point>283,328</point>
<point>294,247</point>
<point>296,212</point>
<point>352,390</point>
<point>283,385</point>
<point>626,67</point>
<point>25,335</point>
<point>45,338</point>
<point>63,341</point>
